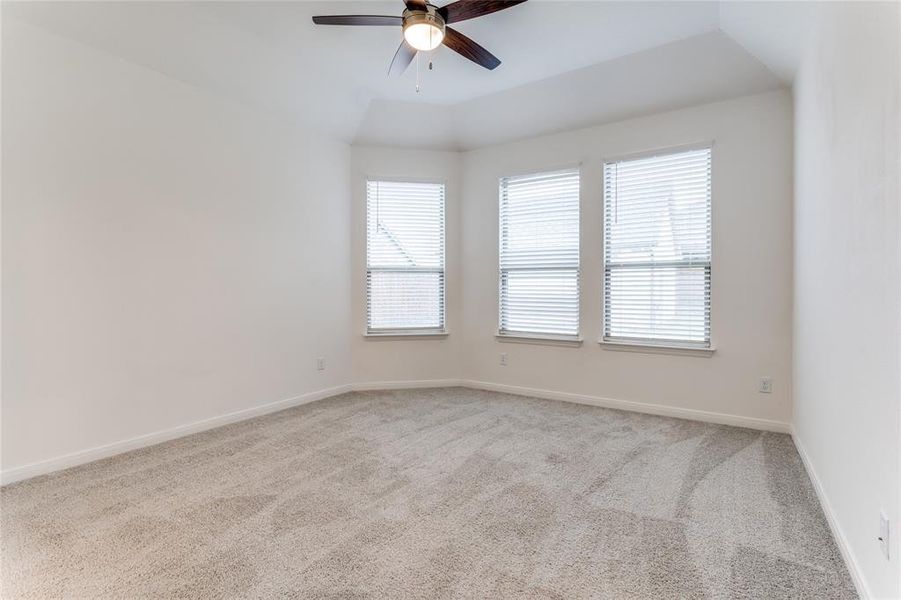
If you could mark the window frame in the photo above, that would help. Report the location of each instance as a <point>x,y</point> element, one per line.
<point>537,338</point>
<point>648,345</point>
<point>404,332</point>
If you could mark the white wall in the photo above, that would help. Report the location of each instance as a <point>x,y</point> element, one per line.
<point>168,256</point>
<point>752,271</point>
<point>406,359</point>
<point>847,308</point>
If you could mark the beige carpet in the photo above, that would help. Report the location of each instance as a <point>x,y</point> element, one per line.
<point>430,494</point>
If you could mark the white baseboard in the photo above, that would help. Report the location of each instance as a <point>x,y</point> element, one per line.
<point>367,386</point>
<point>629,405</point>
<point>837,533</point>
<point>107,450</point>
<point>92,454</point>
<point>641,407</point>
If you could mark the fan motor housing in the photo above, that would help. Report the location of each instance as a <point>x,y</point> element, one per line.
<point>430,16</point>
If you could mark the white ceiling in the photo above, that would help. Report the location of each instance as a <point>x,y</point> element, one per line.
<point>566,64</point>
<point>701,69</point>
<point>774,32</point>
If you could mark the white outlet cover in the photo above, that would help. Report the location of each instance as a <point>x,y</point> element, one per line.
<point>765,385</point>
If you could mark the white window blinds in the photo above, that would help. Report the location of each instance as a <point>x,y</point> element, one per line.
<point>404,257</point>
<point>657,238</point>
<point>539,254</point>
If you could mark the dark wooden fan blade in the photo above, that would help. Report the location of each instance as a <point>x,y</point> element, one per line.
<point>470,9</point>
<point>402,59</point>
<point>464,46</point>
<point>415,4</point>
<point>358,20</point>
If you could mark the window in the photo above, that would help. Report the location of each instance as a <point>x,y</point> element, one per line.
<point>404,257</point>
<point>539,255</point>
<point>657,249</point>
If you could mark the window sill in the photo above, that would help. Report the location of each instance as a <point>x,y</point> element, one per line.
<point>538,339</point>
<point>400,335</point>
<point>649,348</point>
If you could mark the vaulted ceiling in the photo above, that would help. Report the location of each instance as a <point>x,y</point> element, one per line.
<point>565,64</point>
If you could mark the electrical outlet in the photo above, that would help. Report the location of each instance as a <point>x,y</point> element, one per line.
<point>320,364</point>
<point>503,359</point>
<point>765,385</point>
<point>884,533</point>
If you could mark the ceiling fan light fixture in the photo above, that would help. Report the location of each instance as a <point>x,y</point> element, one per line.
<point>424,31</point>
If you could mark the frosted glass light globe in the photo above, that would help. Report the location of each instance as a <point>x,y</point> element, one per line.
<point>423,36</point>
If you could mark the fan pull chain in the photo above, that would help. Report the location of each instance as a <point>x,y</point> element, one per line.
<point>431,66</point>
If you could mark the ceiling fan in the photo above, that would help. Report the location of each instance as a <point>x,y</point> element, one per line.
<point>425,28</point>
